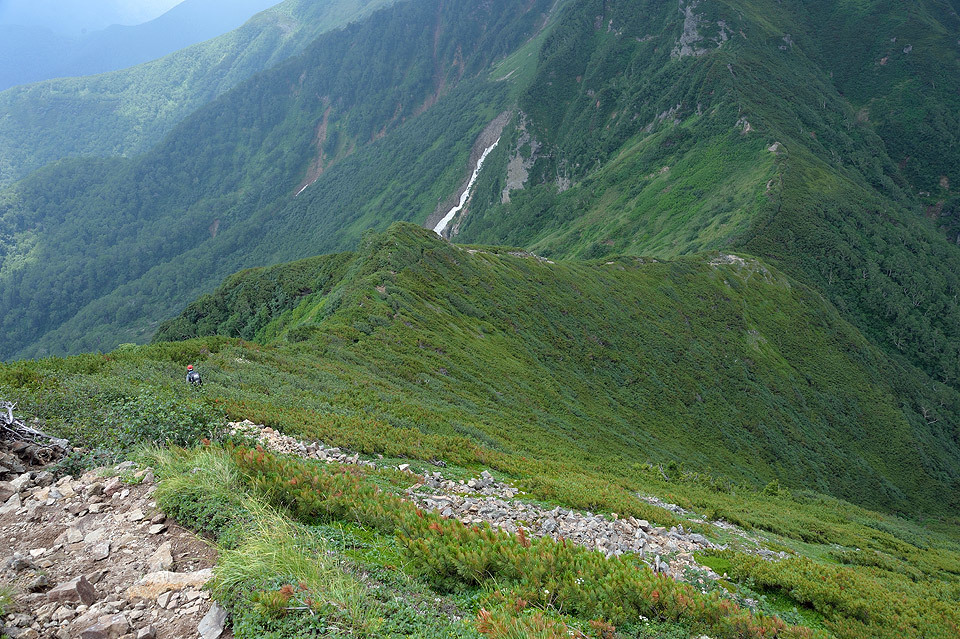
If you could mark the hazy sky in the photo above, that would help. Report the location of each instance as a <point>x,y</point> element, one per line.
<point>75,16</point>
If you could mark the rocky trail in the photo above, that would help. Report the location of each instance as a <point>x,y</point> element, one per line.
<point>93,558</point>
<point>484,499</point>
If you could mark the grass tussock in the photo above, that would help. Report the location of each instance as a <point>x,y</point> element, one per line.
<point>289,572</point>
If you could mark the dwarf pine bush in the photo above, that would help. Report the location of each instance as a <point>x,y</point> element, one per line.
<point>544,572</point>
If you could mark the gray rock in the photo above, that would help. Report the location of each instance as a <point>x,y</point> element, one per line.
<point>12,504</point>
<point>21,482</point>
<point>101,551</point>
<point>548,526</point>
<point>6,491</point>
<point>19,562</point>
<point>162,559</point>
<point>660,566</point>
<point>77,590</point>
<point>698,539</point>
<point>211,626</point>
<point>149,632</point>
<point>107,627</point>
<point>38,583</point>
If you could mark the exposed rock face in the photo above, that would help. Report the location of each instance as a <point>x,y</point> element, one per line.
<point>211,626</point>
<point>693,41</point>
<point>518,168</point>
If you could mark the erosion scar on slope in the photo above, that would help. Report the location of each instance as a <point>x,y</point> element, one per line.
<point>315,170</point>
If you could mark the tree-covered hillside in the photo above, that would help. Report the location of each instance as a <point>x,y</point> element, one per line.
<point>735,124</point>
<point>127,112</point>
<point>218,194</point>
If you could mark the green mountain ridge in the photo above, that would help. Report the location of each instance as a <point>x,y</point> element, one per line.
<point>714,360</point>
<point>753,146</point>
<point>699,380</point>
<point>712,259</point>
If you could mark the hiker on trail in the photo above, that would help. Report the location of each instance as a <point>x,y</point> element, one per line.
<point>193,377</point>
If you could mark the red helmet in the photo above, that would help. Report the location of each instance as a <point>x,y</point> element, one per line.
<point>189,367</point>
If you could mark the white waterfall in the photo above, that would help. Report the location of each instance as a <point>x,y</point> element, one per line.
<point>442,224</point>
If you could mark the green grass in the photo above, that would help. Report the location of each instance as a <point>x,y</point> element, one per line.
<point>281,578</point>
<point>7,598</point>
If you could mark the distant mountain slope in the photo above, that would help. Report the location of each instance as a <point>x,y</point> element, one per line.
<point>218,194</point>
<point>126,112</point>
<point>661,132</point>
<point>75,17</point>
<point>116,47</point>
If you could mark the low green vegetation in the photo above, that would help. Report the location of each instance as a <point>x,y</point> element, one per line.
<point>581,403</point>
<point>7,594</point>
<point>285,576</point>
<point>326,546</point>
<point>581,364</point>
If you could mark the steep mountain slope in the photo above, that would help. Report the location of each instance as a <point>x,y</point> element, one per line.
<point>661,132</point>
<point>589,385</point>
<point>218,194</point>
<point>127,112</point>
<point>640,128</point>
<point>117,47</point>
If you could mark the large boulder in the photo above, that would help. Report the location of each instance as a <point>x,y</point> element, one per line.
<point>79,591</point>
